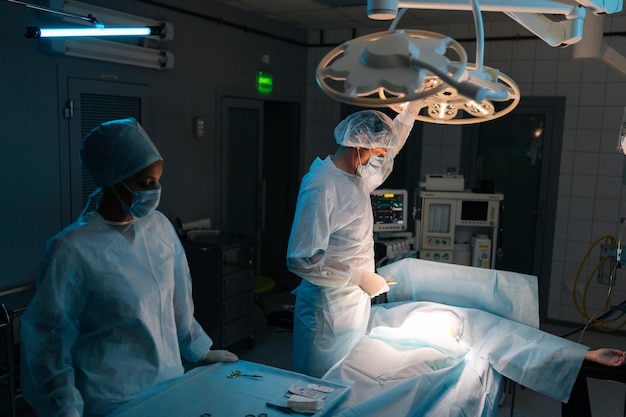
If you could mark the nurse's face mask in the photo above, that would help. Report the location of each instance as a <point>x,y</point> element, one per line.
<point>144,202</point>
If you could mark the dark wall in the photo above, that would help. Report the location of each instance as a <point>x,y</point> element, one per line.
<point>212,59</point>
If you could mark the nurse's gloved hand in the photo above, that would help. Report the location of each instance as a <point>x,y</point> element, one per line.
<point>370,282</point>
<point>71,413</point>
<point>213,356</point>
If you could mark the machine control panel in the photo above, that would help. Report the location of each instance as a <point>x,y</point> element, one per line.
<point>436,255</point>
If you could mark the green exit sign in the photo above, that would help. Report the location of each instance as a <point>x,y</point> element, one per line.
<point>264,81</point>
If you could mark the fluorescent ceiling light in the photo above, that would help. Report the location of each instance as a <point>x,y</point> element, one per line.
<point>37,32</point>
<point>102,50</point>
<point>109,17</point>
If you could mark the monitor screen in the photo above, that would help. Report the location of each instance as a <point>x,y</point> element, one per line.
<point>390,210</point>
<point>474,210</point>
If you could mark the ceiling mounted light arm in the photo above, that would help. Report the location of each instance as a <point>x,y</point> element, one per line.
<point>387,9</point>
<point>528,13</point>
<point>401,13</point>
<point>480,35</point>
<point>557,34</point>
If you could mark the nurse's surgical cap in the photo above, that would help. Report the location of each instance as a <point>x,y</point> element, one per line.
<point>117,150</point>
<point>366,129</point>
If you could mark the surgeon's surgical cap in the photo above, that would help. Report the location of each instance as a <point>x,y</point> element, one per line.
<point>117,150</point>
<point>366,129</point>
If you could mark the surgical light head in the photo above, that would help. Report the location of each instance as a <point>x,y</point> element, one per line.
<point>116,150</point>
<point>366,129</point>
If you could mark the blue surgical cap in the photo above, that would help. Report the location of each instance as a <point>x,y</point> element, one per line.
<point>117,150</point>
<point>366,129</point>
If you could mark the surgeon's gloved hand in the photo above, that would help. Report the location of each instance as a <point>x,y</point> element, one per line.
<point>213,356</point>
<point>70,413</point>
<point>370,282</point>
<point>414,107</point>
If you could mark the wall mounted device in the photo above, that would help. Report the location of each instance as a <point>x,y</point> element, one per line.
<point>93,22</point>
<point>103,50</point>
<point>100,21</point>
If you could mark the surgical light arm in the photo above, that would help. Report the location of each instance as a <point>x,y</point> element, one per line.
<point>529,13</point>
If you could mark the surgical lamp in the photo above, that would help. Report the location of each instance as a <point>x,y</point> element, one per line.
<point>391,68</point>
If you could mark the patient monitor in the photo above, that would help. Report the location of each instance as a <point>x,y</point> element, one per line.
<point>390,211</point>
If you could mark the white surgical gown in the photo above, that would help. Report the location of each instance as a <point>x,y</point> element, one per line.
<point>111,316</point>
<point>333,222</point>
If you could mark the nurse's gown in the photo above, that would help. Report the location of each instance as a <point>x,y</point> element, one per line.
<point>111,316</point>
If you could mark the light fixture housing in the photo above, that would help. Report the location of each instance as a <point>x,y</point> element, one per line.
<point>109,51</point>
<point>68,32</point>
<point>110,18</point>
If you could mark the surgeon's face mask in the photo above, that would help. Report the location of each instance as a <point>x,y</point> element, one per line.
<point>371,168</point>
<point>144,202</point>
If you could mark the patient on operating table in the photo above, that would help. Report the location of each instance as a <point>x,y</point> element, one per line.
<point>448,337</point>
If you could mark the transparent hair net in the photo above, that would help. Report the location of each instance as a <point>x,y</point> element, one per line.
<point>366,129</point>
<point>116,150</point>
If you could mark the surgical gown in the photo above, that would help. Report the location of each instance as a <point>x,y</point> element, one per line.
<point>332,234</point>
<point>111,316</point>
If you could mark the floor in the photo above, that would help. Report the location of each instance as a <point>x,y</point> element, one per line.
<point>273,348</point>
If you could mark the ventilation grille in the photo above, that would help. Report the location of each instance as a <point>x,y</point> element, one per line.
<point>98,108</point>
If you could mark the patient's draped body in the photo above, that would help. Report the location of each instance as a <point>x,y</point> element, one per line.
<point>430,358</point>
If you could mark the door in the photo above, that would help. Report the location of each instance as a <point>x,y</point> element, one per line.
<point>242,187</point>
<point>260,178</point>
<point>281,181</point>
<point>520,155</point>
<point>89,103</point>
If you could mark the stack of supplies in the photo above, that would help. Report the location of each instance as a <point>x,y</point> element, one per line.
<point>307,400</point>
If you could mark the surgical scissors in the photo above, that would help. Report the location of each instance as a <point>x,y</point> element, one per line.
<point>237,374</point>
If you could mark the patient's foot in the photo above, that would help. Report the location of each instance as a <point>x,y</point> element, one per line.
<point>606,356</point>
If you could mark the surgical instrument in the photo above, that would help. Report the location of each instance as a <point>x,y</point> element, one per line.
<point>236,374</point>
